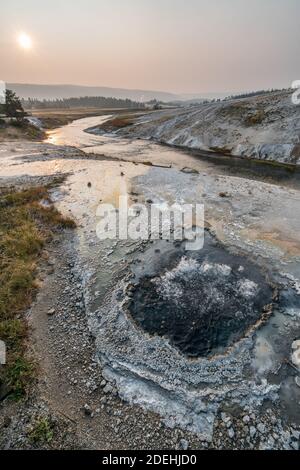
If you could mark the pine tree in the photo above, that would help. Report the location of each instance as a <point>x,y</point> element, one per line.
<point>13,107</point>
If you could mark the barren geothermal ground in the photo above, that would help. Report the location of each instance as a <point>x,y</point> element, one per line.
<point>264,127</point>
<point>144,345</point>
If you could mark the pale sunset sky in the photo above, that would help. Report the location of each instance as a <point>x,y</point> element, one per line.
<point>181,46</point>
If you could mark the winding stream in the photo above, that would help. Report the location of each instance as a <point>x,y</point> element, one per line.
<point>117,147</point>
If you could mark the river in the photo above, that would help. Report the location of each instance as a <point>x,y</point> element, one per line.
<point>117,147</point>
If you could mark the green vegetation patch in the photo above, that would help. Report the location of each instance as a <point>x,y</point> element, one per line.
<point>28,221</point>
<point>41,431</point>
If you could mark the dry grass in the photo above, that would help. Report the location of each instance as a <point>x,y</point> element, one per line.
<point>242,111</point>
<point>256,118</point>
<point>17,132</point>
<point>28,221</point>
<point>53,118</point>
<point>117,122</point>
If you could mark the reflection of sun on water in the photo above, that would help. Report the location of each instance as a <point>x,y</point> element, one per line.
<point>52,138</point>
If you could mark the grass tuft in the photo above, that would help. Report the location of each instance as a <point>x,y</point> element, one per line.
<point>41,431</point>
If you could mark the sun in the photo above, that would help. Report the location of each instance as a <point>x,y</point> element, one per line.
<point>24,41</point>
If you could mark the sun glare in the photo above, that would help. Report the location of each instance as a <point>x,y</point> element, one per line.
<point>24,41</point>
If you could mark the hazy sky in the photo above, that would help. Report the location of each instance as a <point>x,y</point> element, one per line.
<point>173,45</point>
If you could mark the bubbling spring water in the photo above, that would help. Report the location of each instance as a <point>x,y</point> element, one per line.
<point>203,303</point>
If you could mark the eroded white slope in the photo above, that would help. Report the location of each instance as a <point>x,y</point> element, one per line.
<point>265,127</point>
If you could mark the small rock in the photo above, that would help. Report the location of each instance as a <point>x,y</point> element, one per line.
<point>286,436</point>
<point>183,444</point>
<point>296,345</point>
<point>295,445</point>
<point>230,433</point>
<point>51,312</point>
<point>108,388</point>
<point>246,419</point>
<point>87,410</point>
<point>252,431</point>
<point>225,418</point>
<point>296,358</point>
<point>261,428</point>
<point>270,443</point>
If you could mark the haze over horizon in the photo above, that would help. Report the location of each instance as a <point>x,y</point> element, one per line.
<point>173,46</point>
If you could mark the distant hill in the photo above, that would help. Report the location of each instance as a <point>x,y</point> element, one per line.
<point>51,92</point>
<point>41,92</point>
